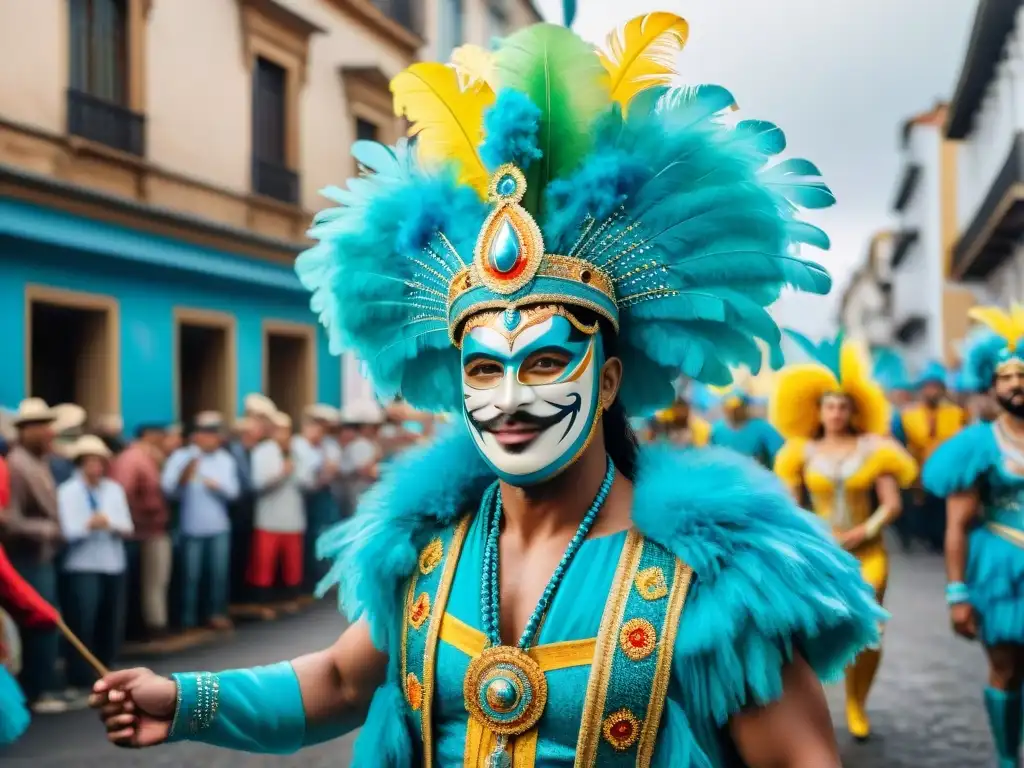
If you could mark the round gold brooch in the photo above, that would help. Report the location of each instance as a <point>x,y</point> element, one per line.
<point>505,690</point>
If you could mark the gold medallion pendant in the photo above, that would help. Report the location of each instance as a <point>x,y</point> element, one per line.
<point>506,691</point>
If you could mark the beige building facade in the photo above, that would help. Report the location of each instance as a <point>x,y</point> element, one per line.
<point>161,159</point>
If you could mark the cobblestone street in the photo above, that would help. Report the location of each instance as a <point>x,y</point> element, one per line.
<point>926,706</point>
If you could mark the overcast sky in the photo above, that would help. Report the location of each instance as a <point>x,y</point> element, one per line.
<point>838,76</point>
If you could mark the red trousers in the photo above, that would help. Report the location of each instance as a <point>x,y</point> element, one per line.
<point>271,551</point>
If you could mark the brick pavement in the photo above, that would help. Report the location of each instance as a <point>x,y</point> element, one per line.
<point>926,705</point>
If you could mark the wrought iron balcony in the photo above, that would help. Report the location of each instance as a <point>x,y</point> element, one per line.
<point>403,12</point>
<point>106,123</point>
<point>275,181</point>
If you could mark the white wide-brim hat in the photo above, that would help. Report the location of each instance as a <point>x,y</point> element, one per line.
<point>362,412</point>
<point>33,410</point>
<point>88,445</point>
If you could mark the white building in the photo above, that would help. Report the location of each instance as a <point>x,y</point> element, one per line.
<point>986,118</point>
<point>865,308</point>
<point>917,251</point>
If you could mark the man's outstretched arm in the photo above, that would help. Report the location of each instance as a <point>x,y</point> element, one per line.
<point>276,709</point>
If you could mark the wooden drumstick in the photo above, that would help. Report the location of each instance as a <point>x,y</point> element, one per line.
<point>72,638</point>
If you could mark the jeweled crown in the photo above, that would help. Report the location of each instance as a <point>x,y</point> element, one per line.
<point>510,268</point>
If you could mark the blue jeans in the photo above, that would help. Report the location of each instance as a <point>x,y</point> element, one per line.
<point>321,513</point>
<point>94,612</point>
<point>39,648</point>
<point>206,571</point>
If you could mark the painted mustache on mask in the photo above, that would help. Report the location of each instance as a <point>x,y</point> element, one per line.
<point>521,418</point>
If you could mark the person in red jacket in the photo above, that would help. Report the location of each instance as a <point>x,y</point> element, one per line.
<point>24,605</point>
<point>5,484</point>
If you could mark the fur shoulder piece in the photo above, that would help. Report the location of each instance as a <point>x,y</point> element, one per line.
<point>769,582</point>
<point>375,551</point>
<point>957,463</point>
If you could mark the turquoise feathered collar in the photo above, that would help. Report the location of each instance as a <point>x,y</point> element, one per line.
<point>768,579</point>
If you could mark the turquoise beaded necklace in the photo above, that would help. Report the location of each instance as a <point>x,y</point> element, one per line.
<point>504,687</point>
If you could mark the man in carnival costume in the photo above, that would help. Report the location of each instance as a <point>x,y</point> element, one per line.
<point>744,433</point>
<point>839,459</point>
<point>923,427</point>
<point>980,472</point>
<point>568,237</point>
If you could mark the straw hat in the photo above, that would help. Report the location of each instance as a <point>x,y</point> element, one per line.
<point>362,412</point>
<point>322,412</point>
<point>209,421</point>
<point>88,445</point>
<point>33,410</point>
<point>281,420</point>
<point>68,416</point>
<point>256,404</point>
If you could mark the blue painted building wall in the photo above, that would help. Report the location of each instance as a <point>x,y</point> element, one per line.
<point>148,276</point>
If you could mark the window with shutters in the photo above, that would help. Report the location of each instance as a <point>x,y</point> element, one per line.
<point>270,173</point>
<point>99,84</point>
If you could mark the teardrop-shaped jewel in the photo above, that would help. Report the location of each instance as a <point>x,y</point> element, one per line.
<point>505,249</point>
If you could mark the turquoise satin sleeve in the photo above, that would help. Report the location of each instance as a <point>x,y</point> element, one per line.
<point>249,710</point>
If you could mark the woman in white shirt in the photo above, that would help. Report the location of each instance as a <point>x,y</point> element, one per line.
<point>95,520</point>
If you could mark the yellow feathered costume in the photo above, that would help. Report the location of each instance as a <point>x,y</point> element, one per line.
<point>841,487</point>
<point>681,417</point>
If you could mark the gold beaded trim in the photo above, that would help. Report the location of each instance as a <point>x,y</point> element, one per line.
<point>413,691</point>
<point>651,584</point>
<point>638,638</point>
<point>552,265</point>
<point>621,729</point>
<point>431,556</point>
<point>419,611</point>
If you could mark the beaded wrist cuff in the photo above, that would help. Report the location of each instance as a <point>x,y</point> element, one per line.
<point>198,701</point>
<point>956,593</point>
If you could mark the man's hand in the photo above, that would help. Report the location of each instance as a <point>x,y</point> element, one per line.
<point>190,470</point>
<point>212,485</point>
<point>136,706</point>
<point>964,621</point>
<point>99,522</point>
<point>287,468</point>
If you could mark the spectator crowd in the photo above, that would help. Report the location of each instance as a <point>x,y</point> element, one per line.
<point>164,538</point>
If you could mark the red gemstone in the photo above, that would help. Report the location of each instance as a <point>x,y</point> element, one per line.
<point>622,729</point>
<point>638,638</point>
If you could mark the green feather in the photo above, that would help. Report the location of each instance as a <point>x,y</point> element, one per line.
<point>563,76</point>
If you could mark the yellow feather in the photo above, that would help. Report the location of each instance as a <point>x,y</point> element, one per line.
<point>871,409</point>
<point>998,322</point>
<point>447,120</point>
<point>474,65</point>
<point>643,53</point>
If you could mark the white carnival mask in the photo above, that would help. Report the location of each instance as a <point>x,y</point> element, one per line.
<point>531,381</point>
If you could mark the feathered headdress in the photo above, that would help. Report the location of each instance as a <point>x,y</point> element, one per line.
<point>837,366</point>
<point>996,345</point>
<point>890,370</point>
<point>552,172</point>
<point>933,371</point>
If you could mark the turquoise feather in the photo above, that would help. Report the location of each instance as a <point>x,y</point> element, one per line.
<point>825,352</point>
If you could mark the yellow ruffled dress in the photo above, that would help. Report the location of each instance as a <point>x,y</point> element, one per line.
<point>843,492</point>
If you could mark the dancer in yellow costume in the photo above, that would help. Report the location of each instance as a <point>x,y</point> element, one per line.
<point>838,459</point>
<point>678,424</point>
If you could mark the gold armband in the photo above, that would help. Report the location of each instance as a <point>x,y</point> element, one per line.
<point>877,522</point>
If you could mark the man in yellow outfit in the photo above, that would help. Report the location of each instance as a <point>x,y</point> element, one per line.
<point>923,427</point>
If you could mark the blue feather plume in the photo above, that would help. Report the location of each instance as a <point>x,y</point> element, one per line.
<point>826,352</point>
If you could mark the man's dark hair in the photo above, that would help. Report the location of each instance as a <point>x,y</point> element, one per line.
<point>143,430</point>
<point>619,438</point>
